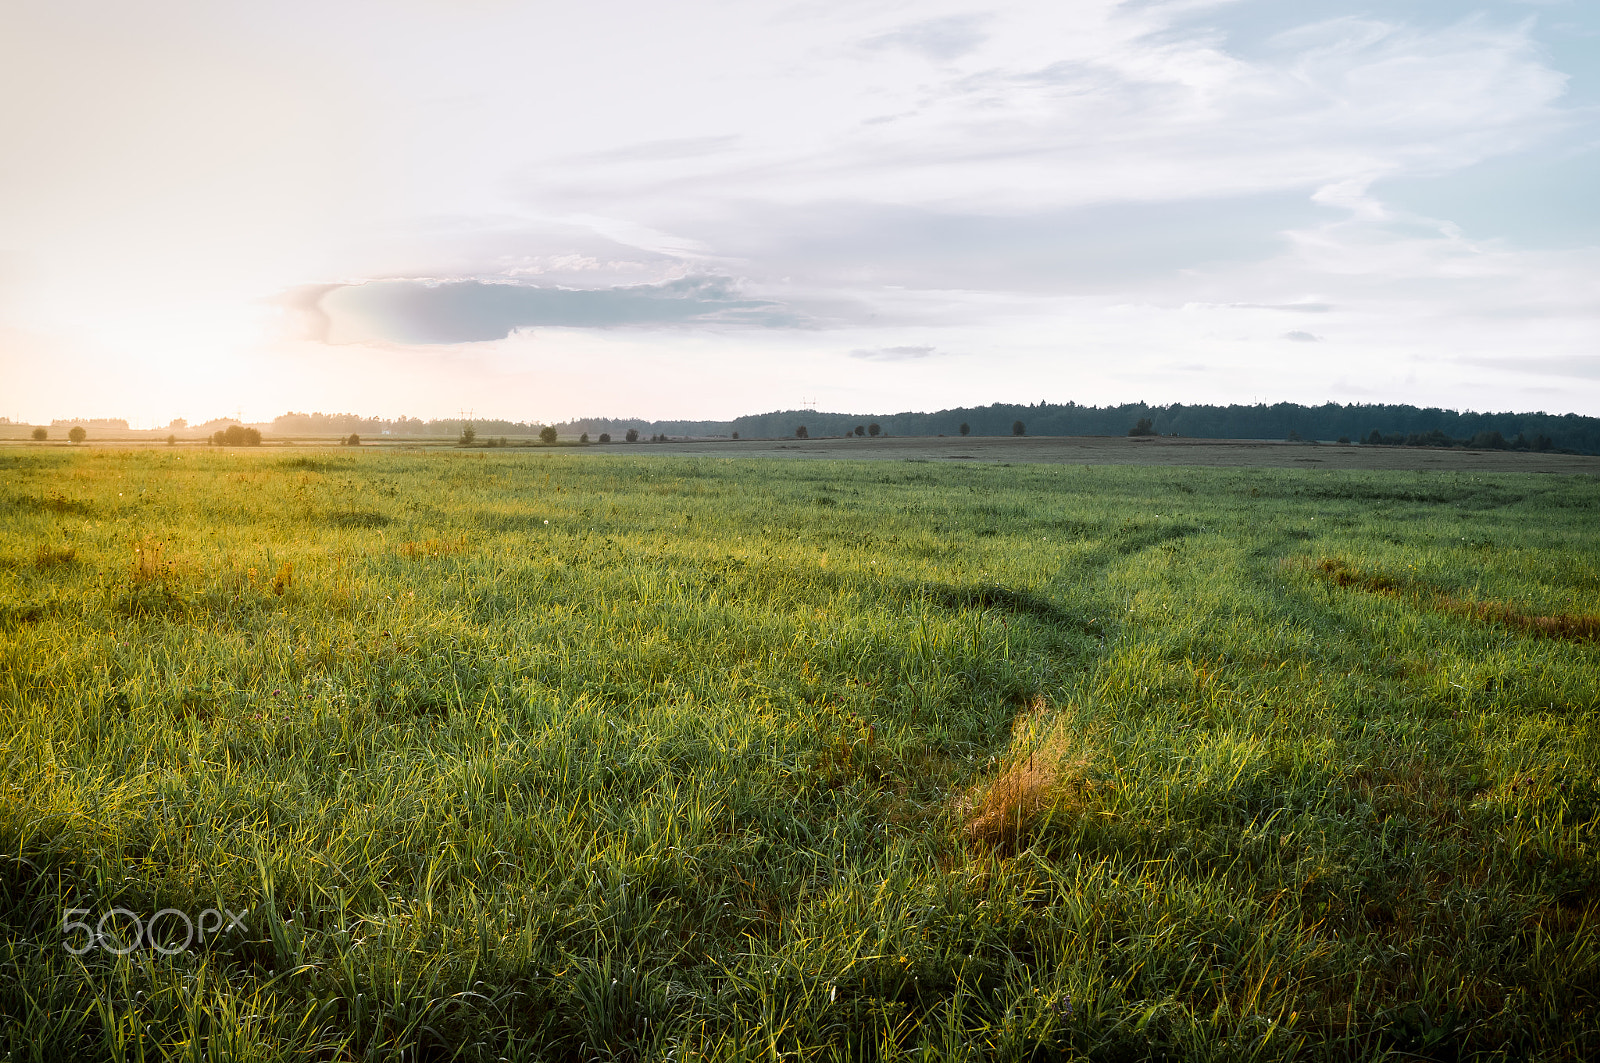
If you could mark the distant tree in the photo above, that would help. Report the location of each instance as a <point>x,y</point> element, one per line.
<point>237,435</point>
<point>171,440</point>
<point>41,433</point>
<point>632,436</point>
<point>873,429</point>
<point>77,434</point>
<point>966,429</point>
<point>1543,443</point>
<point>800,433</point>
<point>583,438</point>
<point>1144,427</point>
<point>1375,437</point>
<point>178,422</point>
<point>1017,429</point>
<point>1344,441</point>
<point>547,434</point>
<point>861,431</point>
<point>736,435</point>
<point>1293,437</point>
<point>605,437</point>
<point>354,440</point>
<point>1488,441</point>
<point>468,434</point>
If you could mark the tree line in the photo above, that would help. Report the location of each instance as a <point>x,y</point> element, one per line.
<point>1393,423</point>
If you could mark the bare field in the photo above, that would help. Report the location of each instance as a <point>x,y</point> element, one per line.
<point>1044,450</point>
<point>1129,450</point>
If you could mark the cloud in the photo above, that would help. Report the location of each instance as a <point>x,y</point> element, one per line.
<point>893,354</point>
<point>1293,308</point>
<point>465,311</point>
<point>1301,337</point>
<point>940,39</point>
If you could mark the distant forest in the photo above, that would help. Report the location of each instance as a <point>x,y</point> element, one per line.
<point>1394,424</point>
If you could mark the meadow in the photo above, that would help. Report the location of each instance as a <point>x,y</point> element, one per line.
<point>555,755</point>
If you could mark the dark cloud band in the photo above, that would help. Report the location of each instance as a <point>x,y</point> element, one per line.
<point>413,311</point>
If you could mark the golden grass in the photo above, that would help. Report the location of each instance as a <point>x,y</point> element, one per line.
<point>431,547</point>
<point>1048,779</point>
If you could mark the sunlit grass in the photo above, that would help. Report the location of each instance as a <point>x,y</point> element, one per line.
<point>577,756</point>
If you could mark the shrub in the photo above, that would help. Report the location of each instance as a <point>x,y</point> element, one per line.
<point>353,441</point>
<point>583,438</point>
<point>171,439</point>
<point>736,435</point>
<point>632,436</point>
<point>605,437</point>
<point>1017,429</point>
<point>1144,427</point>
<point>547,435</point>
<point>800,433</point>
<point>78,434</point>
<point>468,434</point>
<point>966,429</point>
<point>1344,441</point>
<point>860,430</point>
<point>873,429</point>
<point>41,433</point>
<point>1293,437</point>
<point>236,435</point>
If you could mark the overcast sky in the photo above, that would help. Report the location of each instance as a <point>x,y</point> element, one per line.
<point>703,209</point>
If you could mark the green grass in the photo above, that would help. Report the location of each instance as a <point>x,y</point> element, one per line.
<point>549,756</point>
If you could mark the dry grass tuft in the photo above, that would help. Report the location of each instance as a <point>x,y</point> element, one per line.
<point>1050,777</point>
<point>432,547</point>
<point>148,562</point>
<point>48,556</point>
<point>1576,627</point>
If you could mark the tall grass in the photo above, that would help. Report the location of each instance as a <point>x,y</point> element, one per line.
<point>535,756</point>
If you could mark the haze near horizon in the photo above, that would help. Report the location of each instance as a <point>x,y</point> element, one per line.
<point>540,213</point>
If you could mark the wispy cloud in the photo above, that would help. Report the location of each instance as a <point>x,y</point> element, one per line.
<point>894,354</point>
<point>939,38</point>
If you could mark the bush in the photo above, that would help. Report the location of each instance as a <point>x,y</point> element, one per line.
<point>861,430</point>
<point>736,435</point>
<point>1144,427</point>
<point>632,436</point>
<point>583,438</point>
<point>353,440</point>
<point>1017,429</point>
<point>78,434</point>
<point>468,434</point>
<point>41,433</point>
<point>966,429</point>
<point>171,439</point>
<point>873,429</point>
<point>1344,441</point>
<point>605,437</point>
<point>236,435</point>
<point>547,435</point>
<point>800,433</point>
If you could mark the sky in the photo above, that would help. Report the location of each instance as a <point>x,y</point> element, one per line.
<point>544,210</point>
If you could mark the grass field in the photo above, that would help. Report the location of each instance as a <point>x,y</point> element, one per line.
<point>569,756</point>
